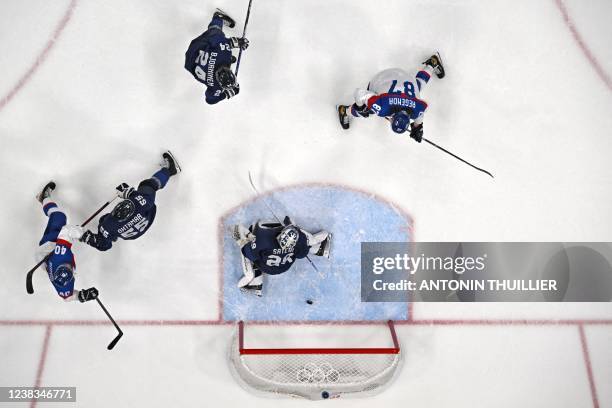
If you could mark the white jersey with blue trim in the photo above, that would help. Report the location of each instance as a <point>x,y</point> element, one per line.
<point>396,81</point>
<point>382,82</point>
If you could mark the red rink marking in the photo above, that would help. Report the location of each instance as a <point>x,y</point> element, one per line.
<point>42,56</point>
<point>42,360</point>
<point>410,322</point>
<point>587,363</point>
<point>603,75</point>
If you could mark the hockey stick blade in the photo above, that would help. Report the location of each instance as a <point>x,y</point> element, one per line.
<point>458,158</point>
<point>29,285</point>
<point>113,343</point>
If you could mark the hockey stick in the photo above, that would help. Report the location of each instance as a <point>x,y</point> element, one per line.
<point>29,286</point>
<point>457,157</point>
<point>246,22</point>
<point>277,219</point>
<point>112,344</point>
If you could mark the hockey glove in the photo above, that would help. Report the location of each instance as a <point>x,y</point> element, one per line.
<point>124,190</point>
<point>89,238</point>
<point>231,92</point>
<point>360,110</point>
<point>85,295</point>
<point>416,132</point>
<point>241,43</point>
<point>241,235</point>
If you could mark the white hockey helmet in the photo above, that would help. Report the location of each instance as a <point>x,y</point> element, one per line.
<point>288,237</point>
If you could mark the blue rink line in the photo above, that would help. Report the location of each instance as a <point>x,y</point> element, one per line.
<point>352,217</point>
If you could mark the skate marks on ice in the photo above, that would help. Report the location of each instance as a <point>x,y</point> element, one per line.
<point>352,217</point>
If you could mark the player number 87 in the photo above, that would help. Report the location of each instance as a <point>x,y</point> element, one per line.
<point>408,88</point>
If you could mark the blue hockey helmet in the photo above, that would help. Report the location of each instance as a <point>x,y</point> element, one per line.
<point>400,121</point>
<point>63,274</point>
<point>124,210</point>
<point>225,77</point>
<point>288,237</point>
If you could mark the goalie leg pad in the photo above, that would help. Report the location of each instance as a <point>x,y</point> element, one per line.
<point>252,284</point>
<point>247,271</point>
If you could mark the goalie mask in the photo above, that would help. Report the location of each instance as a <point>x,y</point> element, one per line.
<point>288,237</point>
<point>225,77</point>
<point>400,121</point>
<point>63,274</point>
<point>123,210</point>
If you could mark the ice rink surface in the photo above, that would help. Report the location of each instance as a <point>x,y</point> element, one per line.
<point>91,93</point>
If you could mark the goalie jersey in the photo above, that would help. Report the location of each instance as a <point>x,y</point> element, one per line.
<point>266,253</point>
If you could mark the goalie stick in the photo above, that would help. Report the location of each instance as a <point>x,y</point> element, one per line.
<point>29,285</point>
<point>246,22</point>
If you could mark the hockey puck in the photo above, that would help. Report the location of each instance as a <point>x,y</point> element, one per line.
<point>309,301</point>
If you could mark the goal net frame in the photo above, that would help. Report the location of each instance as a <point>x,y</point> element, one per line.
<point>293,372</point>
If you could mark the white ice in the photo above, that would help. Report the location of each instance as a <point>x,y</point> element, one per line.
<point>96,108</point>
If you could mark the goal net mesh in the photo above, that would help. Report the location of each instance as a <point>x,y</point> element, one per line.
<point>314,373</point>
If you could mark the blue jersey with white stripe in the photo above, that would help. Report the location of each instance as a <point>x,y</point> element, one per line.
<point>62,280</point>
<point>265,252</point>
<point>205,55</point>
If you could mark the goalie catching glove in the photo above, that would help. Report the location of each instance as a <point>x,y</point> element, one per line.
<point>241,235</point>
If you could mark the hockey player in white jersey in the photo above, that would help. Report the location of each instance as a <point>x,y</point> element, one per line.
<point>396,95</point>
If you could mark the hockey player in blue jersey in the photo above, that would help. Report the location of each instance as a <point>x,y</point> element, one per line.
<point>395,95</point>
<point>271,248</point>
<point>133,216</point>
<point>209,59</point>
<point>57,240</point>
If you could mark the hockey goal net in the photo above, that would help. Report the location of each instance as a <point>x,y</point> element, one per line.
<point>315,373</point>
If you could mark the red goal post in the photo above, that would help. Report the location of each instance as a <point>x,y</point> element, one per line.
<point>314,372</point>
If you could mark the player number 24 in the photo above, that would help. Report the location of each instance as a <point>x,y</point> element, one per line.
<point>275,260</point>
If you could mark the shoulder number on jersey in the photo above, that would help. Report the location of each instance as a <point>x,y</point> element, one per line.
<point>141,200</point>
